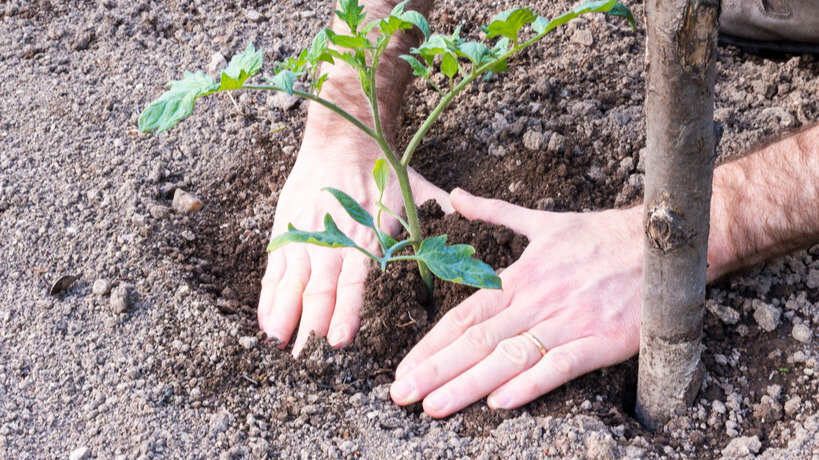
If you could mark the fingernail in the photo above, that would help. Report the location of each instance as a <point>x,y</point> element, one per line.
<point>437,402</point>
<point>403,391</point>
<point>337,336</point>
<point>498,400</point>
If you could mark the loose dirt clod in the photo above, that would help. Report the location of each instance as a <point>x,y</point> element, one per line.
<point>121,299</point>
<point>101,287</point>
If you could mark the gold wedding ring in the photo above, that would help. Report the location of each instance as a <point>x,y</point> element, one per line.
<point>534,340</point>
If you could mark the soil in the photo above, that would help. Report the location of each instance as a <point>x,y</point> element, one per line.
<point>183,372</point>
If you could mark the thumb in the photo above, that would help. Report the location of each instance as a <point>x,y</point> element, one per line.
<point>521,220</point>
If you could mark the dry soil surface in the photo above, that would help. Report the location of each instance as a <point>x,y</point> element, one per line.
<point>153,351</point>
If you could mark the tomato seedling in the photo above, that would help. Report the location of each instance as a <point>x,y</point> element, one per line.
<point>460,62</point>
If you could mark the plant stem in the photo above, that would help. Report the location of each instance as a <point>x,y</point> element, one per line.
<point>343,113</point>
<point>400,170</point>
<point>382,207</point>
<point>444,103</point>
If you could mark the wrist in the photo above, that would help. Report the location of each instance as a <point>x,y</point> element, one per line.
<point>722,250</point>
<point>338,143</point>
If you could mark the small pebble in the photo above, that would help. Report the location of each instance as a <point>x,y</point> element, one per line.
<point>284,101</point>
<point>185,202</point>
<point>802,333</point>
<point>583,37</point>
<point>766,316</point>
<point>557,143</point>
<point>121,299</point>
<point>813,279</point>
<point>219,422</point>
<point>248,342</point>
<point>217,62</point>
<point>792,406</point>
<point>254,16</point>
<point>533,140</point>
<point>80,453</point>
<point>359,399</point>
<point>101,287</point>
<point>158,211</point>
<point>718,407</point>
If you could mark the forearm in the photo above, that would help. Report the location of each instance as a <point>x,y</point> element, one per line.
<point>344,89</point>
<point>765,204</point>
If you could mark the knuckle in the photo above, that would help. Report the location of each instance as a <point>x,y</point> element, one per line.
<point>531,388</point>
<point>499,206</point>
<point>462,318</point>
<point>480,338</point>
<point>513,352</point>
<point>269,280</point>
<point>431,371</point>
<point>291,283</point>
<point>564,362</point>
<point>319,287</point>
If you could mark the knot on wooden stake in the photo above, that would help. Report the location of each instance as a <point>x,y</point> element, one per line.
<point>697,36</point>
<point>666,229</point>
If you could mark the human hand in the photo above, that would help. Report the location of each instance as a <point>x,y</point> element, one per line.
<point>316,288</point>
<point>576,288</point>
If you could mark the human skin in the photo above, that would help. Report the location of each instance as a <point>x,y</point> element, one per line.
<point>321,289</point>
<point>577,286</point>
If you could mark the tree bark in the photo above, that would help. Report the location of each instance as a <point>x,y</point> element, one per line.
<point>680,146</point>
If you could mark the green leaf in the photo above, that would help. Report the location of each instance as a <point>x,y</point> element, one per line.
<point>351,13</point>
<point>352,207</point>
<point>418,69</point>
<point>354,59</point>
<point>624,12</point>
<point>508,23</point>
<point>449,65</point>
<point>388,241</point>
<point>433,46</point>
<point>284,80</point>
<point>381,174</point>
<point>353,42</point>
<point>541,25</point>
<point>176,103</point>
<point>241,67</point>
<point>418,20</point>
<point>476,52</point>
<point>399,8</point>
<point>409,18</point>
<point>318,49</point>
<point>319,83</point>
<point>611,7</point>
<point>455,263</point>
<point>331,237</point>
<point>501,47</point>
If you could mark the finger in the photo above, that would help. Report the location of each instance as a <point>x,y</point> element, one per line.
<point>560,365</point>
<point>521,220</point>
<point>426,190</point>
<point>474,310</point>
<point>286,310</point>
<point>475,344</point>
<point>276,265</point>
<point>510,358</point>
<point>349,299</point>
<point>319,294</point>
